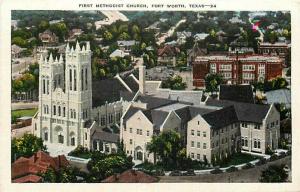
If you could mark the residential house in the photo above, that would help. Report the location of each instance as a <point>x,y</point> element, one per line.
<point>167,55</point>
<point>126,45</point>
<point>48,37</point>
<point>25,170</point>
<point>118,53</point>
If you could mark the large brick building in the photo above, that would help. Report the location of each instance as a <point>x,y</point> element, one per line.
<point>280,49</point>
<point>237,69</point>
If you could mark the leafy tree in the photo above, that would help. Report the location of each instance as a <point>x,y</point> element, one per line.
<point>63,175</point>
<point>19,41</point>
<point>26,146</point>
<point>168,147</point>
<point>212,81</point>
<point>60,29</point>
<point>174,83</point>
<point>43,25</point>
<point>274,174</point>
<point>102,165</point>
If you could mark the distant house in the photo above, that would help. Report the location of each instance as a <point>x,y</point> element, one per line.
<point>167,55</point>
<point>126,45</point>
<point>236,20</point>
<point>16,51</point>
<point>25,170</point>
<point>282,96</point>
<point>131,176</point>
<point>118,53</point>
<point>181,36</point>
<point>200,36</point>
<point>194,52</point>
<point>48,37</point>
<point>74,33</point>
<point>238,93</point>
<point>55,21</point>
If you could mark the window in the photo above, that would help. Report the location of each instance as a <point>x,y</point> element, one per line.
<point>124,128</point>
<point>110,118</point>
<point>198,144</point>
<point>64,111</point>
<point>46,136</point>
<point>54,110</point>
<point>192,155</point>
<point>222,131</point>
<point>102,120</point>
<point>47,109</point>
<point>59,111</point>
<point>192,144</point>
<point>222,140</point>
<point>48,87</point>
<point>71,112</point>
<point>60,139</point>
<point>217,144</point>
<point>204,133</point>
<point>258,144</point>
<point>70,72</point>
<point>86,77</point>
<point>192,132</point>
<point>85,135</point>
<point>255,144</point>
<point>212,145</point>
<point>73,141</point>
<point>277,122</point>
<point>81,79</point>
<point>74,115</point>
<point>217,132</point>
<point>246,142</point>
<point>130,130</point>
<point>272,124</point>
<point>137,131</point>
<point>44,86</point>
<point>198,122</point>
<point>245,125</point>
<point>75,80</point>
<point>141,132</point>
<point>204,145</point>
<point>130,141</point>
<point>198,156</point>
<point>148,133</point>
<point>198,133</point>
<point>257,126</point>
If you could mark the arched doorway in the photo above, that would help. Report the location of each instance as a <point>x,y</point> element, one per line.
<point>72,139</point>
<point>45,134</point>
<point>139,154</point>
<point>59,135</point>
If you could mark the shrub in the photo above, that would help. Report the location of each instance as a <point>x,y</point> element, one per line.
<point>262,161</point>
<point>216,171</point>
<point>231,169</point>
<point>273,157</point>
<point>248,166</point>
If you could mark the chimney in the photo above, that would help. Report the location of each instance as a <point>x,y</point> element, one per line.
<point>142,79</point>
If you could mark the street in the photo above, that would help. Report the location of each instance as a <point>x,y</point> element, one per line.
<point>23,64</point>
<point>242,176</point>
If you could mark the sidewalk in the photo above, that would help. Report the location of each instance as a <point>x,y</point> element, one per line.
<point>23,105</point>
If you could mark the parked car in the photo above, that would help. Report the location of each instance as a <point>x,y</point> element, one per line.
<point>175,173</point>
<point>189,172</point>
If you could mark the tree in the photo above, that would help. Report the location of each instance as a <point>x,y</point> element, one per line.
<point>26,146</point>
<point>174,83</point>
<point>274,174</point>
<point>63,175</point>
<point>60,29</point>
<point>168,147</point>
<point>102,165</point>
<point>19,41</point>
<point>212,81</point>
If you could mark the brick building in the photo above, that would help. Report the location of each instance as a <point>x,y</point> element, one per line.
<point>237,69</point>
<point>280,49</point>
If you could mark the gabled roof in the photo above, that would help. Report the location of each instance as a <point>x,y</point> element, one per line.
<point>239,93</point>
<point>247,112</point>
<point>168,50</point>
<point>39,162</point>
<point>112,90</point>
<point>221,118</point>
<point>279,96</point>
<point>132,84</point>
<point>106,136</point>
<point>154,102</point>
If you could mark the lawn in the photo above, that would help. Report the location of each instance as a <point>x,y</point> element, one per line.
<point>239,158</point>
<point>23,112</point>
